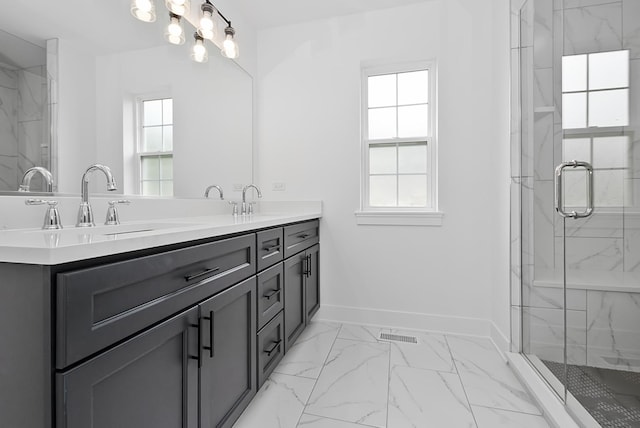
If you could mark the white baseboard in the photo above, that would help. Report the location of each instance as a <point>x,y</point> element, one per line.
<point>406,320</point>
<point>500,340</point>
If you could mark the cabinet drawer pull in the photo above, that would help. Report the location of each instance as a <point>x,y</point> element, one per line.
<point>269,248</point>
<point>210,347</point>
<point>273,348</point>
<point>270,294</point>
<point>201,274</point>
<point>303,235</point>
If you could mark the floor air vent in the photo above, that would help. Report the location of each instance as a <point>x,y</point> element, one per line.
<point>398,338</point>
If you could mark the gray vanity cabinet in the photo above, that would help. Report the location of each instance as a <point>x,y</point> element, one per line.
<point>301,292</point>
<point>227,351</point>
<point>148,381</point>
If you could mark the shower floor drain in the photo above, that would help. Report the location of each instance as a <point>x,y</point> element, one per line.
<point>398,338</point>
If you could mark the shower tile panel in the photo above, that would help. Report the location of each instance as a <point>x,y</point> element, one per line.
<point>8,167</point>
<point>515,114</point>
<point>528,204</point>
<point>593,29</point>
<point>632,250</point>
<point>487,380</point>
<point>631,26</point>
<point>613,335</point>
<point>31,94</point>
<point>527,22</point>
<point>494,418</point>
<point>543,87</point>
<point>430,353</point>
<point>421,398</point>
<point>516,328</point>
<point>527,148</point>
<point>8,78</point>
<point>8,122</point>
<point>558,48</point>
<point>544,334</point>
<point>591,254</point>
<point>598,225</point>
<point>568,4</point>
<point>543,34</point>
<point>353,385</point>
<point>544,214</point>
<point>30,136</point>
<point>553,298</point>
<point>515,266</point>
<point>543,146</point>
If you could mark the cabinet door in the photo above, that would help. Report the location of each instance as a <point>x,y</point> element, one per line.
<point>270,294</point>
<point>312,281</point>
<point>294,299</point>
<point>149,381</point>
<point>228,336</point>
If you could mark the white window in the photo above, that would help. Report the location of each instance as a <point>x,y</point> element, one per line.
<point>595,90</point>
<point>399,146</point>
<point>155,146</point>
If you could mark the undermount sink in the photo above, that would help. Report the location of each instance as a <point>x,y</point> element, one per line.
<point>119,229</point>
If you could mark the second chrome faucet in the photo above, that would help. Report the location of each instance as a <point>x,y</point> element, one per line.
<point>85,213</point>
<point>247,208</point>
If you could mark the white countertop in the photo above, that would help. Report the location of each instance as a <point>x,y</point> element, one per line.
<point>37,246</point>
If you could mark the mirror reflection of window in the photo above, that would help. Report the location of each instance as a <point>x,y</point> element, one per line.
<point>595,90</point>
<point>155,148</point>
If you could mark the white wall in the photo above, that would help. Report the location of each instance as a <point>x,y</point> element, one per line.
<point>308,133</point>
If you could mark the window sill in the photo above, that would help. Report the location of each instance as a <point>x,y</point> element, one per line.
<point>396,218</point>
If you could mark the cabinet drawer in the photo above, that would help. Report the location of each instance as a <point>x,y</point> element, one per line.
<point>300,236</point>
<point>99,306</point>
<point>270,293</point>
<point>270,247</point>
<point>270,347</point>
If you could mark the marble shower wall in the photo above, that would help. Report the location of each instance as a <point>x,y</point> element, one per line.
<point>602,325</point>
<point>23,121</point>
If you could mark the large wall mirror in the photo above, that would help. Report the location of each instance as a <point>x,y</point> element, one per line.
<point>104,64</point>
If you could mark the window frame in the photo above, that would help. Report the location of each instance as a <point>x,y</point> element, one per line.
<point>427,215</point>
<point>138,154</point>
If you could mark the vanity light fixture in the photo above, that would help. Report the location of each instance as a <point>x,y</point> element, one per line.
<point>199,50</point>
<point>207,28</point>
<point>174,33</point>
<point>179,7</point>
<point>229,46</point>
<point>144,10</point>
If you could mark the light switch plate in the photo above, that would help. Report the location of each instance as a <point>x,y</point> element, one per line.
<point>237,187</point>
<point>279,187</point>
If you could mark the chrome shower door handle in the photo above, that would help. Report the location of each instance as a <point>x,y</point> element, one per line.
<point>558,189</point>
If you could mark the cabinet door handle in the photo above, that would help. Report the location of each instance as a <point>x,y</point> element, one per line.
<point>305,268</point>
<point>269,248</point>
<point>273,348</point>
<point>210,347</point>
<point>270,294</point>
<point>201,274</point>
<point>199,356</point>
<point>308,265</point>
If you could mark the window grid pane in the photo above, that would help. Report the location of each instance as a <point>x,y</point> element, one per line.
<point>156,138</point>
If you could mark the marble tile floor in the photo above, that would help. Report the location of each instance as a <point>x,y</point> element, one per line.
<point>342,376</point>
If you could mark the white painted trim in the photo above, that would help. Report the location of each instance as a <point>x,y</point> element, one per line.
<point>408,218</point>
<point>405,320</point>
<point>554,410</point>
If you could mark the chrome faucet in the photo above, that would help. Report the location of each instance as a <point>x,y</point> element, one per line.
<point>85,213</point>
<point>248,208</point>
<point>214,186</point>
<point>28,175</point>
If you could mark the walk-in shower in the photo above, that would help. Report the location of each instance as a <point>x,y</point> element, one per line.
<point>576,201</point>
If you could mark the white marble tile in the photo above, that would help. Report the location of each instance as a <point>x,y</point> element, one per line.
<point>8,78</point>
<point>591,253</point>
<point>8,122</point>
<point>360,332</point>
<point>544,333</point>
<point>30,141</point>
<point>613,334</point>
<point>568,4</point>
<point>598,225</point>
<point>431,352</point>
<point>632,249</point>
<point>515,113</point>
<point>593,29</point>
<point>543,222</point>
<point>515,267</point>
<point>494,418</point>
<point>543,132</point>
<point>31,96</point>
<point>422,398</point>
<point>486,377</point>
<point>353,385</point>
<point>553,298</point>
<point>631,27</point>
<point>516,329</point>
<point>309,352</point>
<point>8,176</point>
<point>311,421</point>
<point>527,121</point>
<point>278,404</point>
<point>527,21</point>
<point>543,34</point>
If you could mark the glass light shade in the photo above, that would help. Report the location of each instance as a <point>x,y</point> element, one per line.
<point>199,51</point>
<point>207,28</point>
<point>179,7</point>
<point>174,33</point>
<point>229,46</point>
<point>144,10</point>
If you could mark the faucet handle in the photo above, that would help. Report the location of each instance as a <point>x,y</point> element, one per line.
<point>234,204</point>
<point>52,216</point>
<point>250,207</point>
<point>113,218</point>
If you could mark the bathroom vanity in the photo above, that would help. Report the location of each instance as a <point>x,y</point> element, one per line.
<point>176,327</point>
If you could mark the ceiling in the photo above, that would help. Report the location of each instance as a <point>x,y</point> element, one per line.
<point>274,13</point>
